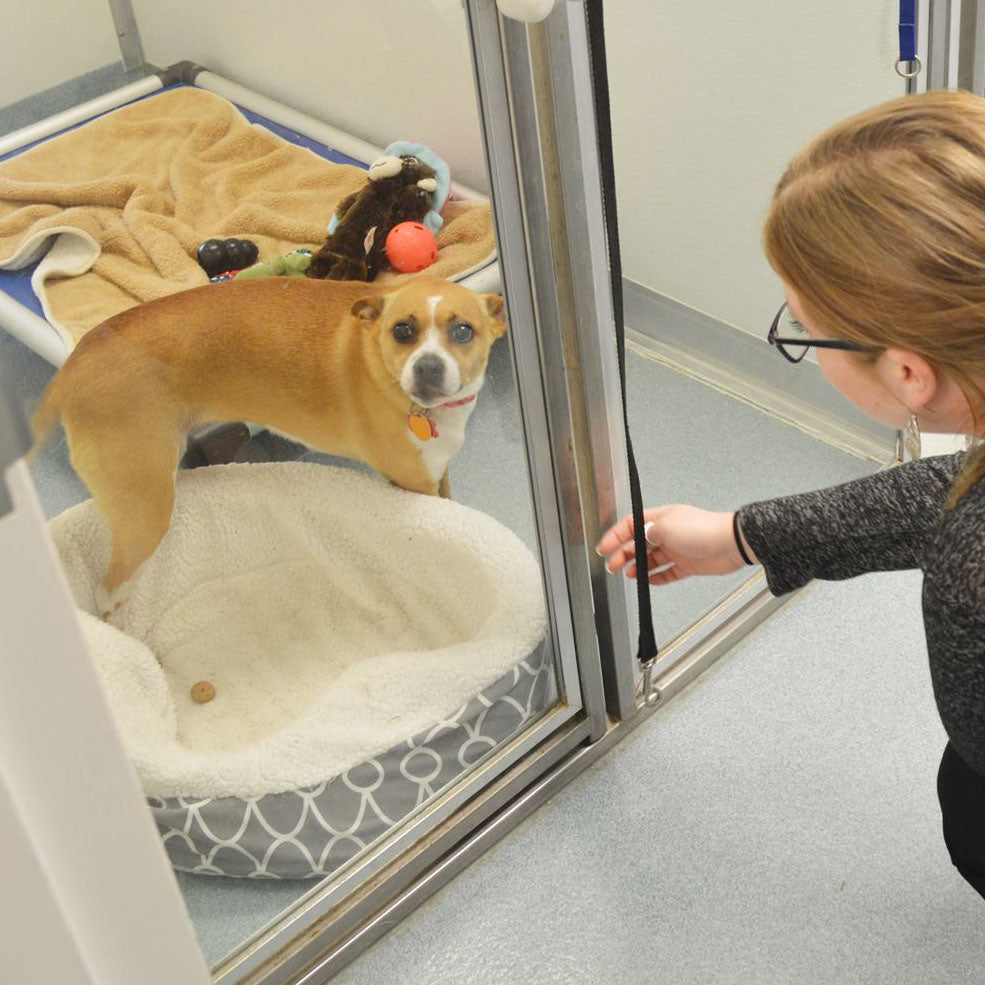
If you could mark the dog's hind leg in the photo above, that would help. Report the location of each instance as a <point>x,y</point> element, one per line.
<point>133,486</point>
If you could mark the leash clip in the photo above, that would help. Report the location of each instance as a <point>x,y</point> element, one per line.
<point>651,695</point>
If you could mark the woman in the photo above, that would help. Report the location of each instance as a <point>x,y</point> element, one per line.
<point>877,230</point>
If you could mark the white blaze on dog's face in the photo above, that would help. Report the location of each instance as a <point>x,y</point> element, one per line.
<point>435,337</point>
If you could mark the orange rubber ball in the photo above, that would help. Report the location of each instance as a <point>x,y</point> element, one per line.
<point>410,247</point>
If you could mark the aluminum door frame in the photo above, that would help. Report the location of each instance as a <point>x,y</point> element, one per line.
<point>939,27</point>
<point>552,100</point>
<point>555,142</point>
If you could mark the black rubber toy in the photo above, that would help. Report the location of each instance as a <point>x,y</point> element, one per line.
<point>216,256</point>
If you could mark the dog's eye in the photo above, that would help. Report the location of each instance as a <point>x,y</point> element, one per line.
<point>461,333</point>
<point>403,331</point>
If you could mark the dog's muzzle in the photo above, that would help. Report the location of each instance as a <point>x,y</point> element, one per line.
<point>429,378</point>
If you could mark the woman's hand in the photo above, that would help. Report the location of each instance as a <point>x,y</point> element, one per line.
<point>689,540</point>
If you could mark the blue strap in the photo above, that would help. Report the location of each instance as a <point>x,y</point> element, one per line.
<point>907,30</point>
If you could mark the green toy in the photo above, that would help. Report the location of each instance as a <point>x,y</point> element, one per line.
<point>291,265</point>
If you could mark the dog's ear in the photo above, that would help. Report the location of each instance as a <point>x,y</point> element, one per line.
<point>496,309</point>
<point>368,308</point>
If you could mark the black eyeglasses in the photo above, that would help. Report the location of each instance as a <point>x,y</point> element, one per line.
<point>795,349</point>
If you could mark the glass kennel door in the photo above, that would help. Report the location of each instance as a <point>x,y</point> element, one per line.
<point>720,418</point>
<point>531,442</point>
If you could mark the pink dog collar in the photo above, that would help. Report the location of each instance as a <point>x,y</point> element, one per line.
<point>459,403</point>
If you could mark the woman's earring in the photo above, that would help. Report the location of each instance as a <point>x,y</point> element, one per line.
<point>911,437</point>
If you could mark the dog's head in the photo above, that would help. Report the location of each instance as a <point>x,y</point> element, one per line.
<point>434,336</point>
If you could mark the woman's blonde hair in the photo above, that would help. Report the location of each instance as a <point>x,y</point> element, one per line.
<point>879,225</point>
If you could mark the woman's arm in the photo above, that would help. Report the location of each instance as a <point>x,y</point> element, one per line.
<point>878,523</point>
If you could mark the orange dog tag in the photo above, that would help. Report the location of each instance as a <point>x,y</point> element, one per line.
<point>421,426</point>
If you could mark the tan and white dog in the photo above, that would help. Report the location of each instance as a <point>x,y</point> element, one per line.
<point>348,368</point>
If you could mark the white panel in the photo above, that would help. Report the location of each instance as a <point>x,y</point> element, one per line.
<point>66,771</point>
<point>35,941</point>
<point>384,71</point>
<point>41,47</point>
<point>710,100</point>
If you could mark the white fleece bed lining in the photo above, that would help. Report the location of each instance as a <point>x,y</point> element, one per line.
<point>390,610</point>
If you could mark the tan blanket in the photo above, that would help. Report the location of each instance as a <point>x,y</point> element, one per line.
<point>131,195</point>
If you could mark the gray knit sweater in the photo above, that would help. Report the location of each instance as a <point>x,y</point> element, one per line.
<point>887,522</point>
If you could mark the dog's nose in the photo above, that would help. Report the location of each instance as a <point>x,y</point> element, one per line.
<point>429,371</point>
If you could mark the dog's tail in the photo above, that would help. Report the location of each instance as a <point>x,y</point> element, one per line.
<point>45,420</point>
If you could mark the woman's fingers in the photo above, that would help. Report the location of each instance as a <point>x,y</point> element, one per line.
<point>624,552</point>
<point>617,560</point>
<point>664,573</point>
<point>622,532</point>
<point>620,556</point>
<point>616,536</point>
<point>668,577</point>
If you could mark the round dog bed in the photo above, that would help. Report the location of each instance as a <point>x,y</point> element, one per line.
<point>366,645</point>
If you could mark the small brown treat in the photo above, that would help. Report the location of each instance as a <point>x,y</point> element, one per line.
<point>203,692</point>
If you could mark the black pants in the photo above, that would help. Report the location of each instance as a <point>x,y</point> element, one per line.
<point>962,795</point>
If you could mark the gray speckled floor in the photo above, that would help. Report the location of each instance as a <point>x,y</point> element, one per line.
<point>775,824</point>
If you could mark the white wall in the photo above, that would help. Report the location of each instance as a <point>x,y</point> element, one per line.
<point>43,45</point>
<point>382,69</point>
<point>710,100</point>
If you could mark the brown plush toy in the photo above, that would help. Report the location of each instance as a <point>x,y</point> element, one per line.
<point>399,190</point>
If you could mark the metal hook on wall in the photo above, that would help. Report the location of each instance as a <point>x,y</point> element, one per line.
<point>915,68</point>
<point>908,41</point>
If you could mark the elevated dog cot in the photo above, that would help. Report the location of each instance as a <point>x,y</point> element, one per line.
<point>21,311</point>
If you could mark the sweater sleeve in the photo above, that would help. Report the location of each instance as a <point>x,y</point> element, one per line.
<point>878,523</point>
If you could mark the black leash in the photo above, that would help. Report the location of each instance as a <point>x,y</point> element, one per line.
<point>647,650</point>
